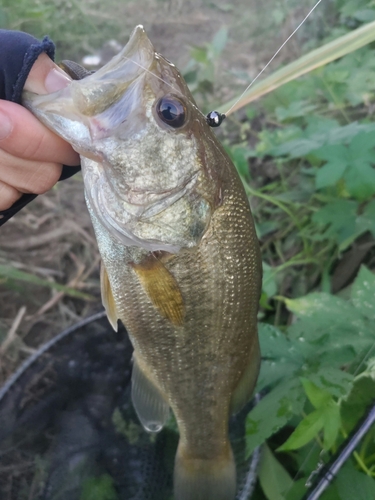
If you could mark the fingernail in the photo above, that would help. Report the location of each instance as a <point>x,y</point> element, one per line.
<point>56,80</point>
<point>6,125</point>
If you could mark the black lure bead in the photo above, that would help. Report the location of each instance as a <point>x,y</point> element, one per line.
<point>215,119</point>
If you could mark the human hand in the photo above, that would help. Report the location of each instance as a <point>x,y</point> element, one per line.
<point>31,156</point>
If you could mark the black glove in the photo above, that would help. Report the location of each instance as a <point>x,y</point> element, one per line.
<point>18,53</point>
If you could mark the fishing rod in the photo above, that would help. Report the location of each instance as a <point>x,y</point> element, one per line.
<point>325,474</point>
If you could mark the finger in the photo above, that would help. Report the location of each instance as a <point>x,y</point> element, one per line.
<point>23,136</point>
<point>28,176</point>
<point>8,196</point>
<point>46,77</point>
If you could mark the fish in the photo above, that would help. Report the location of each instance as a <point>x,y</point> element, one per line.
<point>181,266</point>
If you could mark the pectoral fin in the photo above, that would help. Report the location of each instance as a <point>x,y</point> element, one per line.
<point>148,401</point>
<point>107,297</point>
<point>245,386</point>
<point>162,289</point>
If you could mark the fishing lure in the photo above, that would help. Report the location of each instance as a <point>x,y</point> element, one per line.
<point>215,119</point>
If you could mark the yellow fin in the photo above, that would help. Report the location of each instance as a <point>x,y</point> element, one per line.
<point>107,298</point>
<point>162,289</point>
<point>246,384</point>
<point>148,401</point>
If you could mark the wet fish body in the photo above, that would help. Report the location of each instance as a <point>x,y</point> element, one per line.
<point>181,265</point>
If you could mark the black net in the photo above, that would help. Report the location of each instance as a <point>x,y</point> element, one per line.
<point>68,430</point>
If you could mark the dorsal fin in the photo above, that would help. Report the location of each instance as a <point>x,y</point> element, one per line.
<point>162,289</point>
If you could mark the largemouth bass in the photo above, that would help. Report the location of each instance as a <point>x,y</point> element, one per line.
<point>180,258</point>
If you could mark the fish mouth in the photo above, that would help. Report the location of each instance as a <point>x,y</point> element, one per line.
<point>100,90</point>
<point>91,108</point>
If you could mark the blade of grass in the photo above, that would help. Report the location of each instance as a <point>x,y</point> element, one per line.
<point>315,59</point>
<point>16,274</point>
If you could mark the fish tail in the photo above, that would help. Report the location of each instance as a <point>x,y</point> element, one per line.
<point>205,479</point>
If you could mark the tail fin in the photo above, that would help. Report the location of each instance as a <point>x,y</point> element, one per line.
<point>205,479</point>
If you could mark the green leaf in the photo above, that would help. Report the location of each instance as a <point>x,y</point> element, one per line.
<point>354,485</point>
<point>339,217</point>
<point>346,133</point>
<point>299,147</point>
<point>296,109</point>
<point>272,372</point>
<point>317,397</point>
<point>274,479</point>
<point>363,293</point>
<point>305,431</point>
<point>333,153</point>
<point>336,382</point>
<point>329,322</point>
<point>275,345</point>
<point>322,303</point>
<point>220,40</point>
<point>330,174</point>
<point>360,181</point>
<point>361,144</point>
<point>273,412</point>
<point>332,424</point>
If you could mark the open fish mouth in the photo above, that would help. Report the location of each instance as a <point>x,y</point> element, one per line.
<point>88,109</point>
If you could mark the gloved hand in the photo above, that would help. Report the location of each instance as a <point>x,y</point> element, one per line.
<point>31,156</point>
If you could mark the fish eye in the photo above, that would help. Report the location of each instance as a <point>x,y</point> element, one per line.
<point>171,111</point>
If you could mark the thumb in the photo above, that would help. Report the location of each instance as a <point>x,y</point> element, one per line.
<point>46,77</point>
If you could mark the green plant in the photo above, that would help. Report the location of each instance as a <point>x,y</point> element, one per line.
<point>320,375</point>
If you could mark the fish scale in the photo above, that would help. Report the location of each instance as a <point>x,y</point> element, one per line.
<point>181,260</point>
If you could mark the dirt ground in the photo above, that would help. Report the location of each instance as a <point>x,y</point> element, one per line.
<point>52,238</point>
